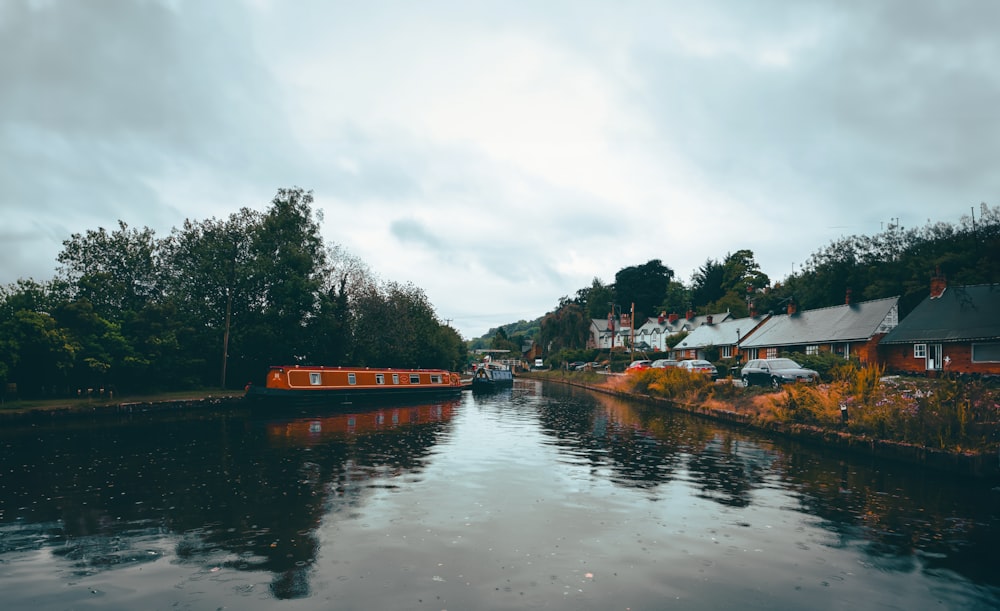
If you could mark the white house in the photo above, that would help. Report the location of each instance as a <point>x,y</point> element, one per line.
<point>656,330</point>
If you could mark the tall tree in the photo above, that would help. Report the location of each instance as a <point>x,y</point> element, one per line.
<point>288,272</point>
<point>210,267</point>
<point>708,283</point>
<point>116,271</point>
<point>644,285</point>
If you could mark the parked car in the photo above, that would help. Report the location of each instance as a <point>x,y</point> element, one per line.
<point>664,363</point>
<point>700,366</point>
<point>775,372</point>
<point>639,365</point>
<point>539,364</point>
<point>575,365</point>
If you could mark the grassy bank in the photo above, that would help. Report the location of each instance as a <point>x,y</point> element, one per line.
<point>942,414</point>
<point>87,404</point>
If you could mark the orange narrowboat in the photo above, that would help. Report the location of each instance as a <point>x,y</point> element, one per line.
<point>355,384</point>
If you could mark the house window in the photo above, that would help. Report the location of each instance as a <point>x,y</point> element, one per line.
<point>771,353</point>
<point>315,378</point>
<point>352,379</point>
<point>751,353</point>
<point>727,352</point>
<point>414,378</point>
<point>986,353</point>
<point>814,349</point>
<point>436,379</point>
<point>919,351</point>
<point>380,378</point>
<point>395,378</point>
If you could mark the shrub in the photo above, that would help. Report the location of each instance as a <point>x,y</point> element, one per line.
<point>670,383</point>
<point>808,404</point>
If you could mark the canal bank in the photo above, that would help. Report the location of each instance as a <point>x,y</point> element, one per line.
<point>983,465</point>
<point>85,408</point>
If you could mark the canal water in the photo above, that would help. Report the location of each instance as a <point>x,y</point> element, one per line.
<point>538,497</point>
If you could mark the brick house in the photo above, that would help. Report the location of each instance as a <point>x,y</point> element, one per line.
<point>955,329</point>
<point>851,329</point>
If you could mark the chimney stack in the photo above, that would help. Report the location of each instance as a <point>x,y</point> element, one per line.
<point>791,307</point>
<point>938,284</point>
<point>661,317</point>
<point>672,318</point>
<point>753,310</point>
<point>689,315</point>
<point>708,319</point>
<point>847,297</point>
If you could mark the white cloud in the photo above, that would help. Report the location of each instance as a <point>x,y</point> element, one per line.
<point>499,155</point>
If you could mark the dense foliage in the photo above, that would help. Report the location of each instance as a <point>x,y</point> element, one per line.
<point>212,304</point>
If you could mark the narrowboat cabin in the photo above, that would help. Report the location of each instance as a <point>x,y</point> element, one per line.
<point>490,376</point>
<point>355,384</point>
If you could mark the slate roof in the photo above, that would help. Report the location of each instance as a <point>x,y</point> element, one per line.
<point>962,313</point>
<point>726,333</point>
<point>843,323</point>
<point>682,324</point>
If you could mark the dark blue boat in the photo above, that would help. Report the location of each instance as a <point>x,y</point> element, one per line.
<point>490,376</point>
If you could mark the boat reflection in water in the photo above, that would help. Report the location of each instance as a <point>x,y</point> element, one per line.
<point>309,430</point>
<point>238,493</point>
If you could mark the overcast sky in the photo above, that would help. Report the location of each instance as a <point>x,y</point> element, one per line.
<point>500,155</point>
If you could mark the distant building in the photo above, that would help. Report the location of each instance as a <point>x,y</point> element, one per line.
<point>656,330</point>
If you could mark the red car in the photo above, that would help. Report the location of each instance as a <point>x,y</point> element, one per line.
<point>639,365</point>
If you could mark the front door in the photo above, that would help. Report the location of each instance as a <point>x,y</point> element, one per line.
<point>934,357</point>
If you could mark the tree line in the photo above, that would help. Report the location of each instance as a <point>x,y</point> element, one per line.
<point>212,304</point>
<point>896,262</point>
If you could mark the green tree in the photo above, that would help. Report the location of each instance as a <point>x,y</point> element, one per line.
<point>566,328</point>
<point>708,283</point>
<point>643,285</point>
<point>286,277</point>
<point>115,271</point>
<point>209,272</point>
<point>595,299</point>
<point>41,353</point>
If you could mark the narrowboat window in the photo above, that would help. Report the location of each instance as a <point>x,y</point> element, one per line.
<point>414,378</point>
<point>352,379</point>
<point>435,379</point>
<point>380,378</point>
<point>395,378</point>
<point>315,378</point>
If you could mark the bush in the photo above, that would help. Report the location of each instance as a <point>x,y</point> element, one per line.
<point>670,383</point>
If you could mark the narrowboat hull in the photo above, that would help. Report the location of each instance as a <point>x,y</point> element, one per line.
<point>354,385</point>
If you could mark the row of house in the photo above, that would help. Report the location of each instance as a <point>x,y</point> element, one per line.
<point>955,329</point>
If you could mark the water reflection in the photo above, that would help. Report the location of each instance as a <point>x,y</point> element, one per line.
<point>901,516</point>
<point>240,491</point>
<point>528,486</point>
